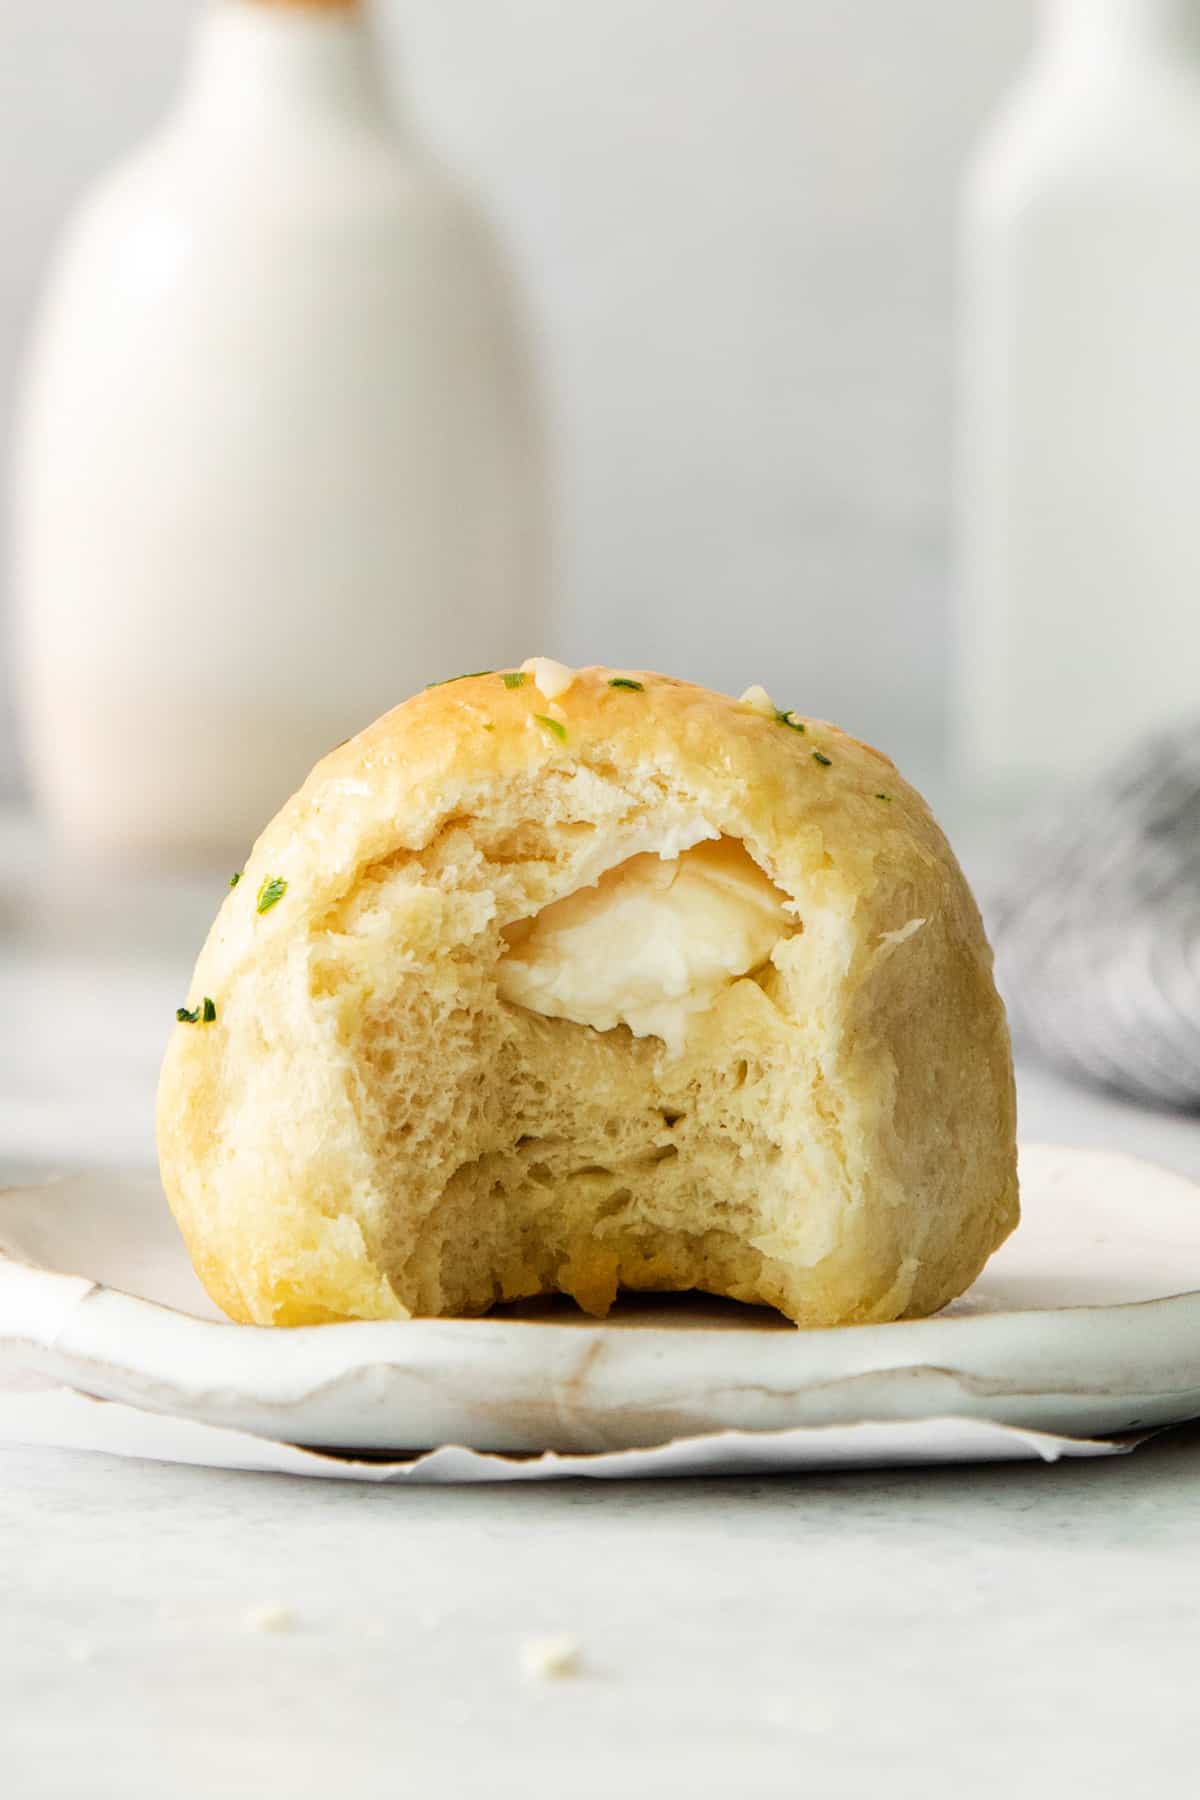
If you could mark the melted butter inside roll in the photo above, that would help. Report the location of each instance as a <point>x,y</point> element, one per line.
<point>653,941</point>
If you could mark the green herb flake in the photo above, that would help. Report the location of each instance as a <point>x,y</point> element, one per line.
<point>270,893</point>
<point>471,675</point>
<point>624,681</point>
<point>514,678</point>
<point>887,798</point>
<point>819,756</point>
<point>235,878</point>
<point>554,725</point>
<point>790,720</point>
<point>204,1014</point>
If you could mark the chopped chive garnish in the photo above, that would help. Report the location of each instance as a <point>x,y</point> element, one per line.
<point>471,675</point>
<point>272,890</point>
<point>235,878</point>
<point>789,719</point>
<point>554,725</point>
<point>204,1014</point>
<point>514,678</point>
<point>819,756</point>
<point>886,797</point>
<point>624,681</point>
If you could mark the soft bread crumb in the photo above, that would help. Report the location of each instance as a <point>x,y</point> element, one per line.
<point>268,1616</point>
<point>549,677</point>
<point>758,700</point>
<point>549,1658</point>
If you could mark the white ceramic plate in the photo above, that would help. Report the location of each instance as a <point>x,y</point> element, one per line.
<point>1087,1322</point>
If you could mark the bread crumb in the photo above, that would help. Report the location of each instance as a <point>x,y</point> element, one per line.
<point>758,700</point>
<point>549,677</point>
<point>268,1616</point>
<point>549,1658</point>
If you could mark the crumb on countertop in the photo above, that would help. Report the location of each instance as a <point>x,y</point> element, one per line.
<point>550,1657</point>
<point>268,1615</point>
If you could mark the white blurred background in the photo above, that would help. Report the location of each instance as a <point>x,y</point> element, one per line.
<point>734,222</point>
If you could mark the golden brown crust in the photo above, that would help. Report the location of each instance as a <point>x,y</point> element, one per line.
<point>905,1059</point>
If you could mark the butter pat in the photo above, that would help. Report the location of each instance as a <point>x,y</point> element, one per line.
<point>652,942</point>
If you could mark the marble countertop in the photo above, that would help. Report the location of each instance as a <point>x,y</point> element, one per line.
<point>945,1631</point>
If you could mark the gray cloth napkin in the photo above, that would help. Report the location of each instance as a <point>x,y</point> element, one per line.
<point>1096,925</point>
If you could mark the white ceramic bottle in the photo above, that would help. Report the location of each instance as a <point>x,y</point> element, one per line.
<point>278,461</point>
<point>1081,388</point>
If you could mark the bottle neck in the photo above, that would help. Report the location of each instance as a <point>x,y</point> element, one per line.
<point>1101,31</point>
<point>256,62</point>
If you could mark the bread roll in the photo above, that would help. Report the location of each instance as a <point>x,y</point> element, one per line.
<point>569,982</point>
